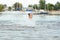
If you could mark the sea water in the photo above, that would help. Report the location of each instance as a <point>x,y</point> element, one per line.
<point>20,27</point>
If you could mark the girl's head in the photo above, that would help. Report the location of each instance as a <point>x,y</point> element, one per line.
<point>30,15</point>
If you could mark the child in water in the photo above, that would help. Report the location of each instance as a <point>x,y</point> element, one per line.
<point>30,15</point>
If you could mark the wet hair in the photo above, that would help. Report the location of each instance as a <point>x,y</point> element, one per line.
<point>29,14</point>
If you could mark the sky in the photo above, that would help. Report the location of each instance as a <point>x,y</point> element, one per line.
<point>25,3</point>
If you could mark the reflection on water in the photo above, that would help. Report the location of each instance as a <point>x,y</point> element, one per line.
<point>20,27</point>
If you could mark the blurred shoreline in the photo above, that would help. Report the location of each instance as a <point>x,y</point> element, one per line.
<point>54,12</point>
<point>34,13</point>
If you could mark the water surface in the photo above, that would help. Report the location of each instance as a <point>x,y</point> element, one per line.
<point>20,27</point>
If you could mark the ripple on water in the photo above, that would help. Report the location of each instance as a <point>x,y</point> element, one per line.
<point>40,28</point>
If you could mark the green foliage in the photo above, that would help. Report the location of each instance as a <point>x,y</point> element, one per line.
<point>42,4</point>
<point>5,5</point>
<point>35,6</point>
<point>57,6</point>
<point>9,8</point>
<point>30,5</point>
<point>50,6</point>
<point>1,7</point>
<point>17,5</point>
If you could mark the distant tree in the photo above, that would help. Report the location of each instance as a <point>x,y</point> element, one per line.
<point>30,5</point>
<point>57,6</point>
<point>50,6</point>
<point>17,5</point>
<point>35,6</point>
<point>1,7</point>
<point>42,4</point>
<point>9,8</point>
<point>5,5</point>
